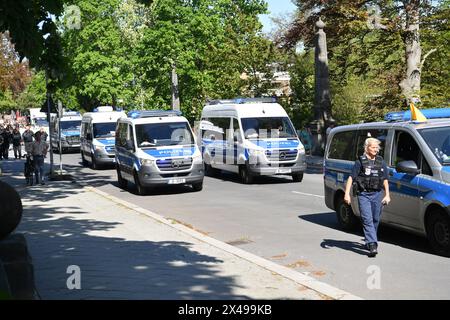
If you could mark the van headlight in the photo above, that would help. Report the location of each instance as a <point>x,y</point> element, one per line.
<point>301,149</point>
<point>255,152</point>
<point>147,162</point>
<point>197,159</point>
<point>99,148</point>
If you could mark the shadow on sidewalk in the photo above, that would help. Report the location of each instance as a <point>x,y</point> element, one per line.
<point>111,267</point>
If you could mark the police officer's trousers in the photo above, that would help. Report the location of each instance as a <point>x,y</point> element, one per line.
<point>370,208</point>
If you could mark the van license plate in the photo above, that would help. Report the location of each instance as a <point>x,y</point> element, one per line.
<point>283,171</point>
<point>177,181</point>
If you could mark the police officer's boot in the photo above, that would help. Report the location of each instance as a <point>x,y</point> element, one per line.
<point>373,249</point>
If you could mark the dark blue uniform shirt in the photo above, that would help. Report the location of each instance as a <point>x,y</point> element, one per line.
<point>357,169</point>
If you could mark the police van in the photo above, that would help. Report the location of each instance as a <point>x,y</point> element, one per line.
<point>98,130</point>
<point>250,137</point>
<point>157,148</point>
<point>417,155</point>
<point>69,124</point>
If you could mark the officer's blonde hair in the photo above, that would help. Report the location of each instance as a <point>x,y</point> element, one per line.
<point>370,141</point>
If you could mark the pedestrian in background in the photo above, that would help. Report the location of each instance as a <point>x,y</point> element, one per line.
<point>6,141</point>
<point>39,150</point>
<point>370,175</point>
<point>16,141</point>
<point>44,134</point>
<point>27,137</point>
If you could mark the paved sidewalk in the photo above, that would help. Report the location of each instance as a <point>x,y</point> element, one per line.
<point>126,252</point>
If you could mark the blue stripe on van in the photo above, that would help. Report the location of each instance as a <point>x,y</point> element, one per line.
<point>107,142</point>
<point>170,153</point>
<point>270,144</point>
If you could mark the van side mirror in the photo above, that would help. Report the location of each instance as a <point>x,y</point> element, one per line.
<point>409,167</point>
<point>89,136</point>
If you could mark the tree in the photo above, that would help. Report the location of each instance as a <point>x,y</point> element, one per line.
<point>376,46</point>
<point>209,42</point>
<point>101,55</point>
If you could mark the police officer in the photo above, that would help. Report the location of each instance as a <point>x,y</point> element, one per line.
<point>370,175</point>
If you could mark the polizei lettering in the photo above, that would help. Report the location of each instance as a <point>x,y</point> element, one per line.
<point>189,310</point>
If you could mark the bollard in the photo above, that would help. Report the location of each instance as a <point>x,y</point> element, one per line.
<point>10,209</point>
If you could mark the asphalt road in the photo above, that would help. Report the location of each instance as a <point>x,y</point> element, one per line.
<point>288,223</point>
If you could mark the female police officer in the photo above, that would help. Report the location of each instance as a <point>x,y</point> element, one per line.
<point>371,175</point>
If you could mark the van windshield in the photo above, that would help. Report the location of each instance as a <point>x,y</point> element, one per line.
<point>270,127</point>
<point>438,139</point>
<point>163,134</point>
<point>70,125</point>
<point>104,130</point>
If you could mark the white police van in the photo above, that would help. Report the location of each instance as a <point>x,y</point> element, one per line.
<point>70,124</point>
<point>418,158</point>
<point>156,148</point>
<point>250,137</point>
<point>98,130</point>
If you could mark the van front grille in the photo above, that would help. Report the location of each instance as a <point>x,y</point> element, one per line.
<point>281,155</point>
<point>174,164</point>
<point>73,140</point>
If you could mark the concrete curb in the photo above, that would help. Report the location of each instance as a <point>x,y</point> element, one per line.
<point>309,282</point>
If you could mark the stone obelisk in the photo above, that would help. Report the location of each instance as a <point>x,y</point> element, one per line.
<point>322,101</point>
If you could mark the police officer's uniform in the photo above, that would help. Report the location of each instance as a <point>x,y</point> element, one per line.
<point>369,176</point>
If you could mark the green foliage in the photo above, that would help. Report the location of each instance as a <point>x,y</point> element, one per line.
<point>302,84</point>
<point>211,43</point>
<point>367,64</point>
<point>35,93</point>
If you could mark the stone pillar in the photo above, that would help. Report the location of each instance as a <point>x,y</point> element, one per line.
<point>322,101</point>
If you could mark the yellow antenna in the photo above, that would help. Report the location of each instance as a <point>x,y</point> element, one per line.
<point>416,115</point>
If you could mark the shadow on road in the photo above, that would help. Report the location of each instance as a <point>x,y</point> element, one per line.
<point>385,233</point>
<point>355,247</point>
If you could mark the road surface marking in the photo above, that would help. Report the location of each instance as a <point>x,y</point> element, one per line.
<point>308,194</point>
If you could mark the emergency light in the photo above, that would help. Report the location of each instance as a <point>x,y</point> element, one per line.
<point>436,113</point>
<point>136,114</point>
<point>243,101</point>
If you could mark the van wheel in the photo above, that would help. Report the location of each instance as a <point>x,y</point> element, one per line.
<point>346,218</point>
<point>297,177</point>
<point>139,188</point>
<point>94,163</point>
<point>197,186</point>
<point>122,182</point>
<point>245,175</point>
<point>83,160</point>
<point>438,233</point>
<point>210,171</point>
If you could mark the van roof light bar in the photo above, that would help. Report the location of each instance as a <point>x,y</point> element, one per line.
<point>436,113</point>
<point>137,114</point>
<point>243,101</point>
<point>104,109</point>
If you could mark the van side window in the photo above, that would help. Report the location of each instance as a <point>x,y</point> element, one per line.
<point>236,130</point>
<point>223,123</point>
<point>121,136</point>
<point>379,134</point>
<point>130,133</point>
<point>342,146</point>
<point>406,148</point>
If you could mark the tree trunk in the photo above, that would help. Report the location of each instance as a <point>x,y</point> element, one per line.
<point>411,84</point>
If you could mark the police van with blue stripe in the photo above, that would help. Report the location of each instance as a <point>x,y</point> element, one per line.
<point>416,148</point>
<point>250,137</point>
<point>65,131</point>
<point>98,130</point>
<point>157,148</point>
